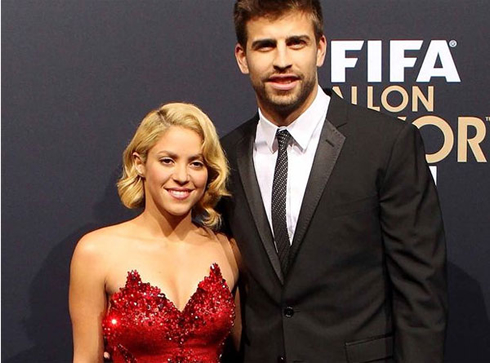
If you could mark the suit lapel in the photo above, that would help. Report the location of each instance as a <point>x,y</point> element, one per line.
<point>328,150</point>
<point>254,199</point>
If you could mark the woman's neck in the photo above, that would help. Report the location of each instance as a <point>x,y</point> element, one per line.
<point>166,226</point>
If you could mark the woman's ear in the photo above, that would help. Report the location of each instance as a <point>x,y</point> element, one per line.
<point>139,165</point>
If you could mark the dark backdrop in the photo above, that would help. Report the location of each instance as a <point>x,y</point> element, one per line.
<point>78,76</point>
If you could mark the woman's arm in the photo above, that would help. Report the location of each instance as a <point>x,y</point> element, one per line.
<point>236,331</point>
<point>235,261</point>
<point>87,300</point>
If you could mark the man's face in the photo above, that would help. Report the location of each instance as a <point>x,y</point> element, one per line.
<point>281,57</point>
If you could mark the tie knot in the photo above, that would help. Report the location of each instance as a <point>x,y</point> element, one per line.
<point>283,137</point>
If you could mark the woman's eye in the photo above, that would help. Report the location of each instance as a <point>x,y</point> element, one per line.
<point>197,164</point>
<point>166,161</point>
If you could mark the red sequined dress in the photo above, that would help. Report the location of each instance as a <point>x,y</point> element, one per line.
<point>144,326</point>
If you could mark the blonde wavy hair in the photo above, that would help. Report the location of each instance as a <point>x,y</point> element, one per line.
<point>131,185</point>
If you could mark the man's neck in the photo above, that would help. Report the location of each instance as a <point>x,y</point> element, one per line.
<point>286,117</point>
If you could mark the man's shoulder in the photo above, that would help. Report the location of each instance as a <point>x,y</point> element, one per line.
<point>244,130</point>
<point>361,118</point>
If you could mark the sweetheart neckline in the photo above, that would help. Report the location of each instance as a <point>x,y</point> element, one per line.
<point>213,267</point>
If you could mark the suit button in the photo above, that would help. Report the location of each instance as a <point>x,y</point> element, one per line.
<point>281,360</point>
<point>288,312</point>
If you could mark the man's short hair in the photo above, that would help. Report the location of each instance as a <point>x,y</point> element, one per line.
<point>246,10</point>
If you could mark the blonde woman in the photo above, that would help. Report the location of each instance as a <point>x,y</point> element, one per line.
<point>160,287</point>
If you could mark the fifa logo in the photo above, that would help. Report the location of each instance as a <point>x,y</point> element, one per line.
<point>399,61</point>
<point>416,69</point>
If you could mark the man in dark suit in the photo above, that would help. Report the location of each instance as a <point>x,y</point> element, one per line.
<point>337,218</point>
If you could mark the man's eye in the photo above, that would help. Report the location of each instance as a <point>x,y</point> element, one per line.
<point>297,44</point>
<point>264,46</point>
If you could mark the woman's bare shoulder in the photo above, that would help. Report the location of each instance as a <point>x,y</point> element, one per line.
<point>229,244</point>
<point>100,242</point>
<point>225,240</point>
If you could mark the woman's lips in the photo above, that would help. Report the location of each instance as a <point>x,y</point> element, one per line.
<point>179,193</point>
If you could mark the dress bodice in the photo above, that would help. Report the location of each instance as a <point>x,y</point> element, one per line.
<point>143,325</point>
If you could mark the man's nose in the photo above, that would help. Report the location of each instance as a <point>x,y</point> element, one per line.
<point>282,59</point>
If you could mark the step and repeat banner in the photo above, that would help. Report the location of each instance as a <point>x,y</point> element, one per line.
<point>78,76</point>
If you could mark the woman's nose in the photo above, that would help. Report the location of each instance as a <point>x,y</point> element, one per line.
<point>180,174</point>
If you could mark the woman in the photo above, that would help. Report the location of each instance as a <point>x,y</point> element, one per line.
<point>159,287</point>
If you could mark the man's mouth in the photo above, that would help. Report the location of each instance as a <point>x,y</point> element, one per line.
<point>283,82</point>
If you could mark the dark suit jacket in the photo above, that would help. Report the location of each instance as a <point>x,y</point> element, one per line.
<point>367,277</point>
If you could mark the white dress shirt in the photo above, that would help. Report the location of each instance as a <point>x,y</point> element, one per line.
<point>305,132</point>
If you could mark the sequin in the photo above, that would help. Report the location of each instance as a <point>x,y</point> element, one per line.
<point>143,326</point>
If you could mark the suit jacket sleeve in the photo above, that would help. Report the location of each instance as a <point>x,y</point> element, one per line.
<point>415,251</point>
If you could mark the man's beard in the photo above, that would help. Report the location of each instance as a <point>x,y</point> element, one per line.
<point>289,101</point>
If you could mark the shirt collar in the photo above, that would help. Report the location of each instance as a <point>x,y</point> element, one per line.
<point>300,129</point>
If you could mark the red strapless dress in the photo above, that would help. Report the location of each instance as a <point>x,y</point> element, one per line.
<point>144,326</point>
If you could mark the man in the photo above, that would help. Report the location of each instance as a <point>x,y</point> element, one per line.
<point>337,219</point>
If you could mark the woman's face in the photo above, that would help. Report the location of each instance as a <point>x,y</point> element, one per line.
<point>175,173</point>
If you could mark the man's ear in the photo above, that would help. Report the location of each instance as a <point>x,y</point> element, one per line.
<point>139,165</point>
<point>321,51</point>
<point>241,58</point>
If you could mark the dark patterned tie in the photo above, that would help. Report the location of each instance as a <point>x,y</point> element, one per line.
<point>278,207</point>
